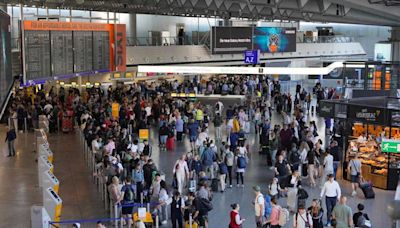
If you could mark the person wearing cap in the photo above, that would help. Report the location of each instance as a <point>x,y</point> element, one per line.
<point>259,205</point>
<point>302,219</point>
<point>76,225</point>
<point>332,193</point>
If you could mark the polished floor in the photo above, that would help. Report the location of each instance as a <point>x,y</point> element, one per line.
<point>19,184</point>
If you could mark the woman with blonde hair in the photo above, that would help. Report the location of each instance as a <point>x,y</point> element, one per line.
<point>316,213</point>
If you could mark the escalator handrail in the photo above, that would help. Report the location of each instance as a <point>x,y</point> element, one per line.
<point>5,102</point>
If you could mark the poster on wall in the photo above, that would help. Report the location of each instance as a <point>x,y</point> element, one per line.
<point>6,77</point>
<point>231,39</point>
<point>274,39</point>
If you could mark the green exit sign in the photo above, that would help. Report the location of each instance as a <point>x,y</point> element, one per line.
<point>391,146</point>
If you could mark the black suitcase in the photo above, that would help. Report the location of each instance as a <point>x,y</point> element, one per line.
<point>368,191</point>
<point>214,185</point>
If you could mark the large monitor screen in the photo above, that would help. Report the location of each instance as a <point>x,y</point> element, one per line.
<point>273,39</point>
<point>231,39</point>
<point>6,77</point>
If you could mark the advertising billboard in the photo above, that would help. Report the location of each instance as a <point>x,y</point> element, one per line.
<point>231,39</point>
<point>383,52</point>
<point>273,39</point>
<point>6,77</point>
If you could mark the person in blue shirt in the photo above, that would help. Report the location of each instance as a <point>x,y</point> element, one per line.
<point>138,179</point>
<point>207,159</point>
<point>193,129</point>
<point>179,129</point>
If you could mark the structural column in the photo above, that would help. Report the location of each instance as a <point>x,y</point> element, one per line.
<point>395,38</point>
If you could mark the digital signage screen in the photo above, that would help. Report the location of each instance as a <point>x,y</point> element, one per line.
<point>231,39</point>
<point>273,39</point>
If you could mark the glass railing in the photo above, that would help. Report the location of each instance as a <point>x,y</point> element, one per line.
<point>326,39</point>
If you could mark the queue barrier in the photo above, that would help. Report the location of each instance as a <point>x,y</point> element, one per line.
<point>114,210</point>
<point>52,203</point>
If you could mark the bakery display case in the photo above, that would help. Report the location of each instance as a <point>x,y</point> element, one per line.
<point>375,164</point>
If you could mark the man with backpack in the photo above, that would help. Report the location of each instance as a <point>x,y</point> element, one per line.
<point>223,170</point>
<point>128,198</point>
<point>241,164</point>
<point>302,219</point>
<point>360,218</point>
<point>207,159</point>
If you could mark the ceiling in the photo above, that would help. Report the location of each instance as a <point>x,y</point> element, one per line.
<point>376,12</point>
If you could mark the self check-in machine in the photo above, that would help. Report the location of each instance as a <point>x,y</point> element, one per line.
<point>44,149</point>
<point>50,181</point>
<point>44,165</point>
<point>39,217</point>
<point>53,204</point>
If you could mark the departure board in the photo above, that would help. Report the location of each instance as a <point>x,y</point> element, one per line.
<point>101,51</point>
<point>62,53</point>
<point>83,51</point>
<point>37,54</point>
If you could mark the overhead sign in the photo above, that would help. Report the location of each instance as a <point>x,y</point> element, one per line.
<point>390,146</point>
<point>252,57</point>
<point>326,109</point>
<point>366,114</point>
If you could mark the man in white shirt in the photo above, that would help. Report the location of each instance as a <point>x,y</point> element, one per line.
<point>332,193</point>
<point>133,147</point>
<point>259,206</point>
<point>302,219</point>
<point>328,168</point>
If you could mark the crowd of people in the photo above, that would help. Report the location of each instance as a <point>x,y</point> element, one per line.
<point>219,152</point>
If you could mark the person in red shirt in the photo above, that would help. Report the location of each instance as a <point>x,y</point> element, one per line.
<point>236,221</point>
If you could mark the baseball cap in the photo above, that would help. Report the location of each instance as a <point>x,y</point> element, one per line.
<point>256,188</point>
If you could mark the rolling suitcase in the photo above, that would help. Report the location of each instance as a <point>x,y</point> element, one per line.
<point>170,143</point>
<point>214,185</point>
<point>367,190</point>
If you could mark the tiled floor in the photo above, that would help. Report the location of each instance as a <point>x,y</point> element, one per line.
<point>19,187</point>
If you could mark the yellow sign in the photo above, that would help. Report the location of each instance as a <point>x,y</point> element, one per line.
<point>117,75</point>
<point>148,218</point>
<point>129,75</point>
<point>115,110</point>
<point>144,134</point>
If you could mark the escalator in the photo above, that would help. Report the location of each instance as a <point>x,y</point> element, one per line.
<point>7,101</point>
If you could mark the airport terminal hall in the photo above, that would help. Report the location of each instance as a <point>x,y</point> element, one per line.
<point>200,113</point>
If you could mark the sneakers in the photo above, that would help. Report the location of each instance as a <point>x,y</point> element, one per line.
<point>237,185</point>
<point>230,186</point>
<point>354,193</point>
<point>164,222</point>
<point>242,185</point>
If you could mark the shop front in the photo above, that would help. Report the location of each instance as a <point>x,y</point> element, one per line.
<point>373,135</point>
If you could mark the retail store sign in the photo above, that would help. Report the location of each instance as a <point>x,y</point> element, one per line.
<point>252,57</point>
<point>391,146</point>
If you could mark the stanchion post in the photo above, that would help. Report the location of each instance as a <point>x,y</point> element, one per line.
<point>141,199</point>
<point>9,122</point>
<point>148,207</point>
<point>157,220</point>
<point>116,215</point>
<point>190,220</point>
<point>25,125</point>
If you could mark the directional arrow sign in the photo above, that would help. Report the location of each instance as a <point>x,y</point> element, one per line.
<point>391,146</point>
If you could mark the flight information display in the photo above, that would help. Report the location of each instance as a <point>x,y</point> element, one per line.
<point>101,51</point>
<point>37,54</point>
<point>62,55</point>
<point>83,51</point>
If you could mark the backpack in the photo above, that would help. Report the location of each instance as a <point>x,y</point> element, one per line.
<point>241,162</point>
<point>283,216</point>
<point>267,206</point>
<point>363,222</point>
<point>129,194</point>
<point>295,157</point>
<point>205,205</point>
<point>223,169</point>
